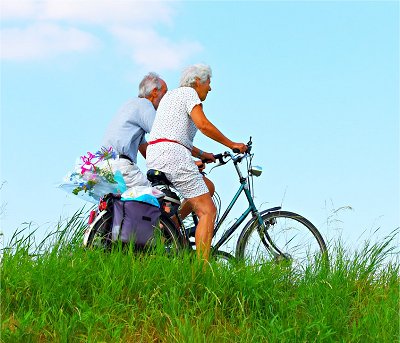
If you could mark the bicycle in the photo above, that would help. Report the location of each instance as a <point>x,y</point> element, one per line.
<point>272,234</point>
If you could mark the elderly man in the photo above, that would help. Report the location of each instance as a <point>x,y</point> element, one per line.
<point>126,131</point>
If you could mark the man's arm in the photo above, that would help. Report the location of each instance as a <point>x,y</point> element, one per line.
<point>142,149</point>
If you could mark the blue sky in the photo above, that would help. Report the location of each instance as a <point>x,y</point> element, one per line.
<point>316,84</point>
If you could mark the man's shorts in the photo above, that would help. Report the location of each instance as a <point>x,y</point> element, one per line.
<point>130,172</point>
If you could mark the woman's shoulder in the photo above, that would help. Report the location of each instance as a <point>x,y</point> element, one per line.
<point>183,91</point>
<point>185,94</point>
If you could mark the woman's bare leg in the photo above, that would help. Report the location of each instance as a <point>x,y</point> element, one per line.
<point>205,209</point>
<point>186,206</point>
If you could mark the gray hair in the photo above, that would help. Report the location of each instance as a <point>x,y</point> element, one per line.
<point>149,82</point>
<point>193,72</point>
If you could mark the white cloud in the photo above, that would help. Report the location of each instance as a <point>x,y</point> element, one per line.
<point>109,12</point>
<point>53,27</point>
<point>43,40</point>
<point>89,11</point>
<point>21,9</point>
<point>153,51</point>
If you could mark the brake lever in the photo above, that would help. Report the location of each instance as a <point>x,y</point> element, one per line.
<point>218,157</point>
<point>220,160</point>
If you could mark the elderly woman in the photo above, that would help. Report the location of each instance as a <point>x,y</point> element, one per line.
<point>170,150</point>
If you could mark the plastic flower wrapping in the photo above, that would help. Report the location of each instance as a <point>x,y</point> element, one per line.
<point>145,194</point>
<point>93,177</point>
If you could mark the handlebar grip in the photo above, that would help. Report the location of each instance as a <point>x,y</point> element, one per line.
<point>236,151</point>
<point>219,157</point>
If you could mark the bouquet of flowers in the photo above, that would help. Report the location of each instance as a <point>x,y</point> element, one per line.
<point>93,177</point>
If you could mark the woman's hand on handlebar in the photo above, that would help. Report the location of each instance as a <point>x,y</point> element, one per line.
<point>239,147</point>
<point>200,165</point>
<point>207,157</point>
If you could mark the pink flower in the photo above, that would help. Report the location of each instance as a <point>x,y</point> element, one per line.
<point>87,163</point>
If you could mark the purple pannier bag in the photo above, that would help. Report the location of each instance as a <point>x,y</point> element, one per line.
<point>134,221</point>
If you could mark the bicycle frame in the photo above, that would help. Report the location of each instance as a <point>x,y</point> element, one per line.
<point>244,187</point>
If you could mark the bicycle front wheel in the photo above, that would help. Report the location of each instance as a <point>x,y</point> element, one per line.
<point>223,257</point>
<point>285,236</point>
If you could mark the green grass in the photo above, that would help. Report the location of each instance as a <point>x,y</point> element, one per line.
<point>63,293</point>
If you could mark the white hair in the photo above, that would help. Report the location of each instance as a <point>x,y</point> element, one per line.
<point>148,83</point>
<point>193,72</point>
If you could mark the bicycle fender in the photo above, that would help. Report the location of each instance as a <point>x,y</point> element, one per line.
<point>272,209</point>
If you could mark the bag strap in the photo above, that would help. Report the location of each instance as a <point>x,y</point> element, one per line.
<point>122,221</point>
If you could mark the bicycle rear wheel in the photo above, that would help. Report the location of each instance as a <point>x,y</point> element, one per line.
<point>166,236</point>
<point>100,232</point>
<point>285,236</point>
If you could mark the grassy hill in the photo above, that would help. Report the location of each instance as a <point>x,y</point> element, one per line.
<point>63,293</point>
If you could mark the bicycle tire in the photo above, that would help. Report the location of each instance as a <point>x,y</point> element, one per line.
<point>100,234</point>
<point>289,236</point>
<point>166,233</point>
<point>223,257</point>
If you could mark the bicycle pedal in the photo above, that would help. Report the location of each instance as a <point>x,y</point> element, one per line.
<point>191,231</point>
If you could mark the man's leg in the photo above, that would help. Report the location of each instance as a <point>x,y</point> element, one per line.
<point>205,209</point>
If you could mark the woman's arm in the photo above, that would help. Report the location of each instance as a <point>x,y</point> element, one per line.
<point>211,131</point>
<point>202,155</point>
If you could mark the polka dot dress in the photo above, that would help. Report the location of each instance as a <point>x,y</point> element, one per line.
<point>173,122</point>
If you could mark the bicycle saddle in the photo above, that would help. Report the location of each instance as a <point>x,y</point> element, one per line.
<point>157,178</point>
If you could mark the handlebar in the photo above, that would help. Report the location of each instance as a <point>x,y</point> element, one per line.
<point>236,158</point>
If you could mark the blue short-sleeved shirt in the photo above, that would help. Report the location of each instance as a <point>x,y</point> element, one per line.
<point>129,126</point>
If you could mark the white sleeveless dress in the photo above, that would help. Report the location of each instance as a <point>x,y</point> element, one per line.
<point>173,122</point>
